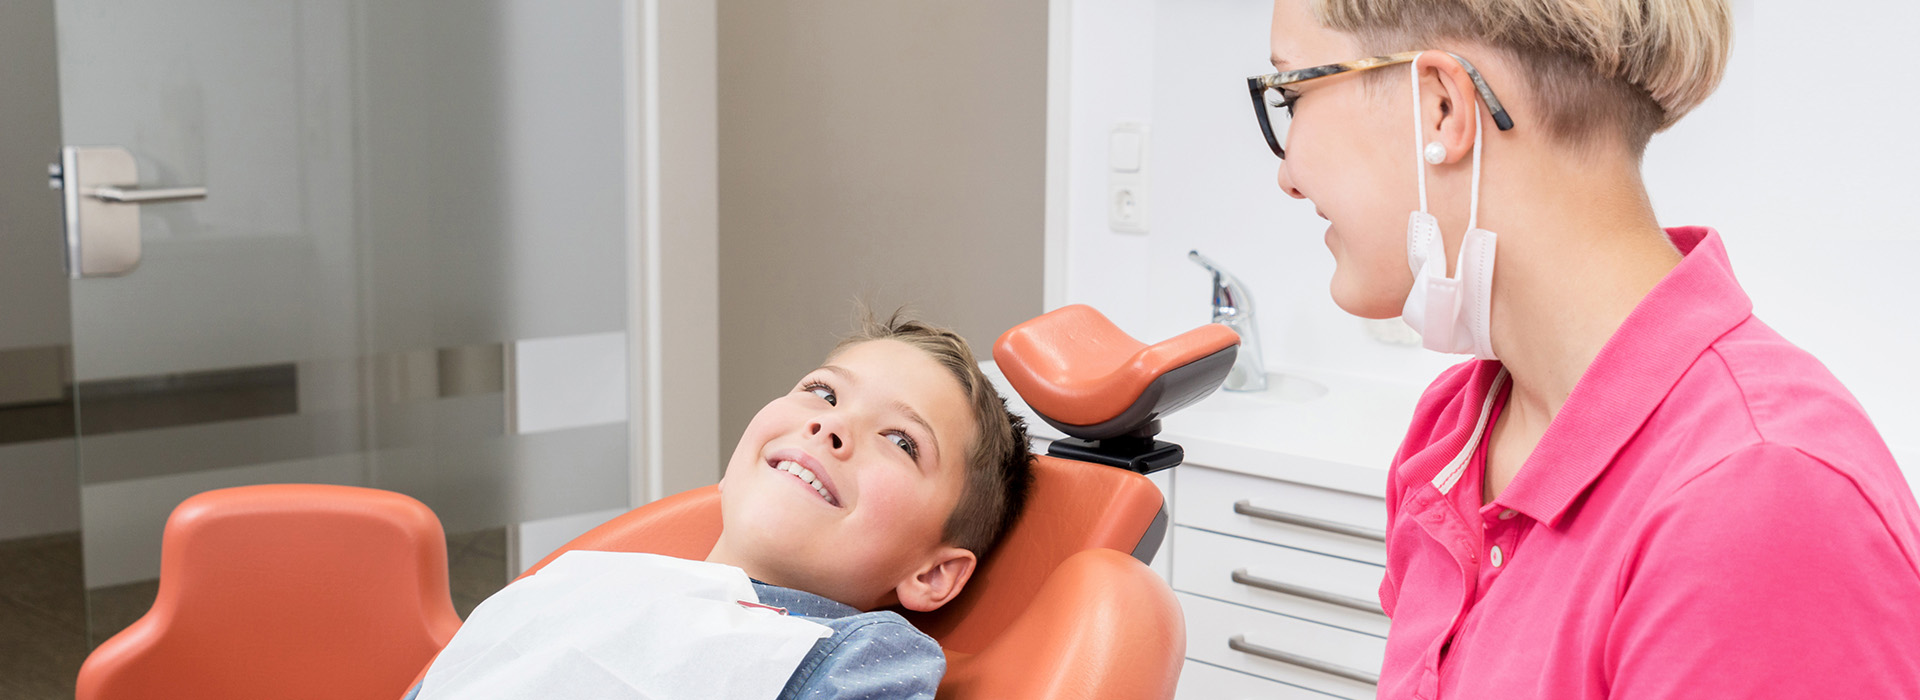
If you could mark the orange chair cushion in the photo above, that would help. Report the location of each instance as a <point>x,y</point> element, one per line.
<point>1102,626</point>
<point>1074,507</point>
<point>1074,366</point>
<point>684,525</point>
<point>285,591</point>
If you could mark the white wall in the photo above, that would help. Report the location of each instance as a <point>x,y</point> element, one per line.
<point>1803,166</point>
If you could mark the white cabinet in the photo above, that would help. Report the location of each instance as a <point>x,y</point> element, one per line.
<point>1279,583</point>
<point>1285,513</point>
<point>1202,681</point>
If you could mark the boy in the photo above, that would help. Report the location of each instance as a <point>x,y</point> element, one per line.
<point>879,480</point>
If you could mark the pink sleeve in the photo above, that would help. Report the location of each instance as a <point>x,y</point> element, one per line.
<point>1767,576</point>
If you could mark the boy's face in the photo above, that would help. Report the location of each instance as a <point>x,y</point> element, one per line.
<point>879,437</point>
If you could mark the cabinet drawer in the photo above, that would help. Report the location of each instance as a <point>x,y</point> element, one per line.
<point>1305,517</point>
<point>1339,662</point>
<point>1338,592</point>
<point>1200,681</point>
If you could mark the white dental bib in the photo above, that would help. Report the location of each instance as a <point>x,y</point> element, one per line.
<point>621,625</point>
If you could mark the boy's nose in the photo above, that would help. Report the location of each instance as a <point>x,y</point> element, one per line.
<point>817,428</point>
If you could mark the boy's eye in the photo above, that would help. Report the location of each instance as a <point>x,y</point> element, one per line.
<point>823,391</point>
<point>905,443</point>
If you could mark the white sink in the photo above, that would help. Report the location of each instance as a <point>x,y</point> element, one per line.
<point>1282,388</point>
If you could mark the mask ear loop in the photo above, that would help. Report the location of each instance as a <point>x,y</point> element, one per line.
<point>1473,204</point>
<point>1419,161</point>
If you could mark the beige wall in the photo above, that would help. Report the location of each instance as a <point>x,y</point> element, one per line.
<point>891,151</point>
<point>689,308</point>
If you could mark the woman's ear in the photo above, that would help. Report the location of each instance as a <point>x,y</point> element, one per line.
<point>1448,105</point>
<point>939,581</point>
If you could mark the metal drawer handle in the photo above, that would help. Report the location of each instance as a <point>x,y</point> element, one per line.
<point>135,196</point>
<point>1247,508</point>
<point>1241,576</point>
<point>1239,643</point>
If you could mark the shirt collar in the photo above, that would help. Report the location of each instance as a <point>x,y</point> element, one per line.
<point>801,603</point>
<point>1698,302</point>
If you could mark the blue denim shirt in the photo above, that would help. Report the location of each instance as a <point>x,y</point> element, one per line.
<point>870,656</point>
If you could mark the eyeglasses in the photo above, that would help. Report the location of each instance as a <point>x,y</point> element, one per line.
<point>1273,93</point>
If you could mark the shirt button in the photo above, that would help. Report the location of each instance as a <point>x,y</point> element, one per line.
<point>1494,556</point>
<point>1508,514</point>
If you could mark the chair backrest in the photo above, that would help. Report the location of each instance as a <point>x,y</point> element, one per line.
<point>285,591</point>
<point>1073,507</point>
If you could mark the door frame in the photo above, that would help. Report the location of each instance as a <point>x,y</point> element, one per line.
<point>672,156</point>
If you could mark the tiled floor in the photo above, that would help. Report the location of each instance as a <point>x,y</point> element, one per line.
<point>45,617</point>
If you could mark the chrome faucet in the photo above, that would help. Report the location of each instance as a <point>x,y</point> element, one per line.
<point>1233,306</point>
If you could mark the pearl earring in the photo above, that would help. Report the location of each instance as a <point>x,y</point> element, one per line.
<point>1435,152</point>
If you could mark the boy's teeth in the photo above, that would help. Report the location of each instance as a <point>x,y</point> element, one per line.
<point>806,475</point>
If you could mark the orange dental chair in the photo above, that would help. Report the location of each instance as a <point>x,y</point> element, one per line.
<point>300,591</point>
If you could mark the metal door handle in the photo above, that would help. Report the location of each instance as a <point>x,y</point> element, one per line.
<point>1241,576</point>
<point>1239,643</point>
<point>103,237</point>
<point>1247,508</point>
<point>127,195</point>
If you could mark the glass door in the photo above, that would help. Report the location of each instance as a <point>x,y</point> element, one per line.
<point>366,243</point>
<point>43,614</point>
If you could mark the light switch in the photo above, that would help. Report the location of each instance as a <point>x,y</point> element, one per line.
<point>1127,164</point>
<point>1123,151</point>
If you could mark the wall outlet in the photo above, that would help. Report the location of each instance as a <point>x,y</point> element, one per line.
<point>1127,200</point>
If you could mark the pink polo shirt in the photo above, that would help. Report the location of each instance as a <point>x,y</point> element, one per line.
<point>1711,515</point>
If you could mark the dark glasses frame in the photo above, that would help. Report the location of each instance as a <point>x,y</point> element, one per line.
<point>1258,85</point>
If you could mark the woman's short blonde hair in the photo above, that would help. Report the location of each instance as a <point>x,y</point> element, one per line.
<point>1638,65</point>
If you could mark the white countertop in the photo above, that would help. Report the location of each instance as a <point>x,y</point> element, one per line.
<point>1311,427</point>
<point>1341,439</point>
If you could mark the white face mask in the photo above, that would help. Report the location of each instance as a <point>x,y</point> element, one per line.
<point>1451,314</point>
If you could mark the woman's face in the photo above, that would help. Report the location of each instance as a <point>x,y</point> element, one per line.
<point>1350,153</point>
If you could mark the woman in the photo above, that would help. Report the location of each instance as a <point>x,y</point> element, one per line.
<point>1637,489</point>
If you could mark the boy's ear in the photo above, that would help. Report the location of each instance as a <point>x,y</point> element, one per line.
<point>937,582</point>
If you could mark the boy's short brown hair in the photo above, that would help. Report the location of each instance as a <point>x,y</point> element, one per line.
<point>999,467</point>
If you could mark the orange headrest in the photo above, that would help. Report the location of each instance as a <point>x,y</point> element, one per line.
<point>1091,380</point>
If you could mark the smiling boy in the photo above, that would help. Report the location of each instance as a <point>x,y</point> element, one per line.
<point>882,478</point>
